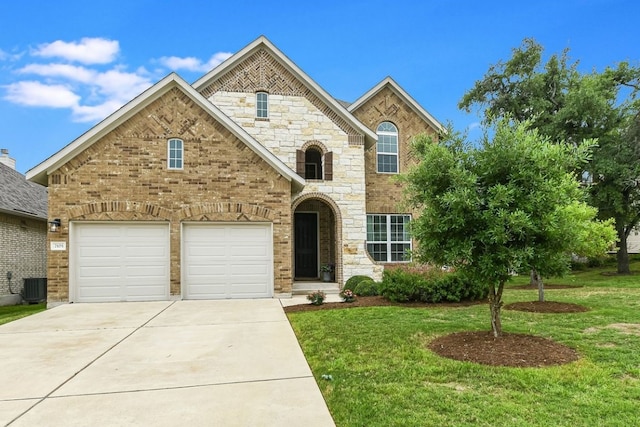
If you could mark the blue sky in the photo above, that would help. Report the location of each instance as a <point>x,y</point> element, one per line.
<point>66,65</point>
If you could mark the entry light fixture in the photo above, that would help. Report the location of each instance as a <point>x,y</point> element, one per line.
<point>54,225</point>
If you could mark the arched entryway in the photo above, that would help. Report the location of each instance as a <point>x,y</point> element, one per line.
<point>316,237</point>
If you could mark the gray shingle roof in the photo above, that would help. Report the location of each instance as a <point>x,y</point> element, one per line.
<point>21,197</point>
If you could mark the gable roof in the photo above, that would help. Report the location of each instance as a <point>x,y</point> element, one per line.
<point>40,172</point>
<point>263,43</point>
<point>21,197</point>
<point>395,88</point>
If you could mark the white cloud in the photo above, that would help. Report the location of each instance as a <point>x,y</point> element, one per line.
<point>88,89</point>
<point>87,51</point>
<point>121,85</point>
<point>71,72</point>
<point>36,94</point>
<point>110,89</point>
<point>193,64</point>
<point>92,113</point>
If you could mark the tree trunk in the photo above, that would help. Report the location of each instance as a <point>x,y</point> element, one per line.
<point>622,255</point>
<point>536,281</point>
<point>495,303</point>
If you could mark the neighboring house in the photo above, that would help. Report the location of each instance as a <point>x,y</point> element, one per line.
<point>633,241</point>
<point>23,230</point>
<point>236,186</point>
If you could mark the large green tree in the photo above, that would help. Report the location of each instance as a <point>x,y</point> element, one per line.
<point>507,206</point>
<point>566,105</point>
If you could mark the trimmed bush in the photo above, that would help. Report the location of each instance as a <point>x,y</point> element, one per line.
<point>431,286</point>
<point>367,288</point>
<point>353,281</point>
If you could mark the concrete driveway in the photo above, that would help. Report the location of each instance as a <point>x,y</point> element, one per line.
<point>194,363</point>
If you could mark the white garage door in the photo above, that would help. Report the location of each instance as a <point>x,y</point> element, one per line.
<point>120,262</point>
<point>227,261</point>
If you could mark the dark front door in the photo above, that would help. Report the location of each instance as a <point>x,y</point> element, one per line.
<point>306,245</point>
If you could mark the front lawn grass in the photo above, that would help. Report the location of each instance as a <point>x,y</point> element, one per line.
<point>10,313</point>
<point>383,374</point>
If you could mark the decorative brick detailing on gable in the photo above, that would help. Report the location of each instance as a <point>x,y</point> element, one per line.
<point>262,72</point>
<point>384,195</point>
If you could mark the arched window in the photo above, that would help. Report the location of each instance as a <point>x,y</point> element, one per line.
<point>387,148</point>
<point>262,105</point>
<point>312,163</point>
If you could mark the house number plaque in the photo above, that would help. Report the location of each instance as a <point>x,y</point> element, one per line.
<point>58,246</point>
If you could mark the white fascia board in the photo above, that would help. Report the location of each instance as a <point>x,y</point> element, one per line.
<point>262,41</point>
<point>395,87</point>
<point>40,172</point>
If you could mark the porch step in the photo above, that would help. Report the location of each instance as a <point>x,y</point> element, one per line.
<point>304,288</point>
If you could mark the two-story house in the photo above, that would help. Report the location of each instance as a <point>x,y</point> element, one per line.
<point>236,186</point>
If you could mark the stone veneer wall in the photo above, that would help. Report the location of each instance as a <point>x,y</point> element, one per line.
<point>23,251</point>
<point>294,121</point>
<point>124,177</point>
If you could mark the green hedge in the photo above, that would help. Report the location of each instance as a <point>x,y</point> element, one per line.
<point>432,286</point>
<point>367,288</point>
<point>353,281</point>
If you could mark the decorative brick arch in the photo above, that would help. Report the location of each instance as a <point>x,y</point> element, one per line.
<point>127,209</point>
<point>338,226</point>
<point>315,144</point>
<point>244,211</point>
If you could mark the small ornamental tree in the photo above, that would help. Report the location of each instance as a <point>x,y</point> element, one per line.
<point>508,206</point>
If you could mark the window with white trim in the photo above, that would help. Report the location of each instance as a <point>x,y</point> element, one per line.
<point>387,148</point>
<point>175,155</point>
<point>388,238</point>
<point>262,105</point>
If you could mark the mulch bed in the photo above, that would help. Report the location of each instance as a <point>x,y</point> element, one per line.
<point>376,301</point>
<point>517,350</point>
<point>546,307</point>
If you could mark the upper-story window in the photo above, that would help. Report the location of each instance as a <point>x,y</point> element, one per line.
<point>175,153</point>
<point>387,148</point>
<point>313,164</point>
<point>262,105</point>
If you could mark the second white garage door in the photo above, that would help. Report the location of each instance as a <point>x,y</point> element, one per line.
<point>227,261</point>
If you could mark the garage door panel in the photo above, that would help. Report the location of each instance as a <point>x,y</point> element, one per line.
<point>95,272</point>
<point>249,251</point>
<point>132,258</point>
<point>227,260</point>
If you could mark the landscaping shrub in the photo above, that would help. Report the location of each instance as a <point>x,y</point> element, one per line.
<point>405,285</point>
<point>353,281</point>
<point>367,288</point>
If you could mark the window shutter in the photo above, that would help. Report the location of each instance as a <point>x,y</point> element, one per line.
<point>328,166</point>
<point>300,162</point>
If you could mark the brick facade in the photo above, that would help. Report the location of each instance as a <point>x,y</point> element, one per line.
<point>23,251</point>
<point>124,177</point>
<point>384,195</point>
